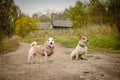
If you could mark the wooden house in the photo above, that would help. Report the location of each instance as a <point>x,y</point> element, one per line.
<point>56,24</point>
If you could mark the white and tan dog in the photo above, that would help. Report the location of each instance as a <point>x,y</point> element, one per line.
<point>81,50</point>
<point>45,50</point>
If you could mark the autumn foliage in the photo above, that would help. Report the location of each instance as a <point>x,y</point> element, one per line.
<point>25,25</point>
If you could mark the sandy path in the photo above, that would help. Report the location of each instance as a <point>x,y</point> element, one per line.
<point>99,66</point>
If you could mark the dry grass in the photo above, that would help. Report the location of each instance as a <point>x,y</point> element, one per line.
<point>9,45</point>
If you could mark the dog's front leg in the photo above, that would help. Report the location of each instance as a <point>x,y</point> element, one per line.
<point>84,56</point>
<point>77,56</point>
<point>45,56</point>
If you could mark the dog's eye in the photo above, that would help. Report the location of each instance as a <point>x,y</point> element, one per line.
<point>83,38</point>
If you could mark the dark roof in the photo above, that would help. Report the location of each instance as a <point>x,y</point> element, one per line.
<point>62,23</point>
<point>44,25</point>
<point>56,23</point>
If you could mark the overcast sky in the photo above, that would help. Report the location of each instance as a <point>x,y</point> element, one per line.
<point>34,6</point>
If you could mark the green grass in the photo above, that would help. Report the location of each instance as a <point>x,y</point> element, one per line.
<point>108,42</point>
<point>102,38</point>
<point>67,41</point>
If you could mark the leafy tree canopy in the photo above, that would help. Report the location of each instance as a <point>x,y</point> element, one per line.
<point>9,12</point>
<point>25,25</point>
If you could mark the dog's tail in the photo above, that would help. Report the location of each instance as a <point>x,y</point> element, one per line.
<point>34,43</point>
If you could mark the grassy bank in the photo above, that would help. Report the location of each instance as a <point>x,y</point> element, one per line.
<point>9,45</point>
<point>100,37</point>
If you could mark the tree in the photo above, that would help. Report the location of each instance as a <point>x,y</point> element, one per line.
<point>44,18</point>
<point>97,11</point>
<point>25,25</point>
<point>113,14</point>
<point>9,12</point>
<point>51,16</point>
<point>37,16</point>
<point>77,14</point>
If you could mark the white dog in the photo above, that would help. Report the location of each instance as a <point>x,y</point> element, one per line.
<point>81,50</point>
<point>44,50</point>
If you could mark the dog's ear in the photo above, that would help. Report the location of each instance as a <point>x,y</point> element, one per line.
<point>79,36</point>
<point>54,37</point>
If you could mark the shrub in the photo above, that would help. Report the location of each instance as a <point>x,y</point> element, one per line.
<point>25,25</point>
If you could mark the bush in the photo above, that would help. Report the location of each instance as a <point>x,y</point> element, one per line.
<point>25,25</point>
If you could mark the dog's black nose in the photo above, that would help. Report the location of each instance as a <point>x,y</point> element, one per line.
<point>87,40</point>
<point>51,43</point>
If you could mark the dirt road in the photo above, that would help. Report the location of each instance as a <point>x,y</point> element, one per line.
<point>99,66</point>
